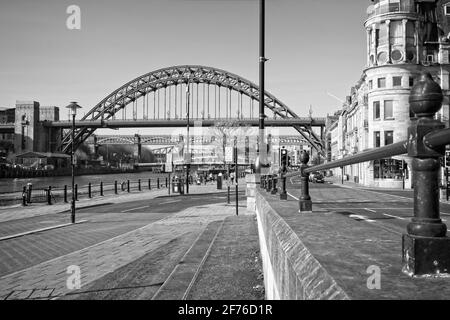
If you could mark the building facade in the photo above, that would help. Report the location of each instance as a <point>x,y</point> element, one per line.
<point>404,38</point>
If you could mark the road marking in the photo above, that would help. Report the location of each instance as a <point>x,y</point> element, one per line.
<point>357,216</point>
<point>128,210</point>
<point>370,210</point>
<point>396,217</point>
<point>293,196</point>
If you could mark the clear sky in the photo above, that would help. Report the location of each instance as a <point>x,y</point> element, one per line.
<point>314,47</point>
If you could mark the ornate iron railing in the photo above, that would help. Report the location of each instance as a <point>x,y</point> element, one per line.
<point>426,248</point>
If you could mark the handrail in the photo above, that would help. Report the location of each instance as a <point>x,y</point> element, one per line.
<point>394,149</point>
<point>426,247</point>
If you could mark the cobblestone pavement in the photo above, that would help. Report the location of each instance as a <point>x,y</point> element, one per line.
<point>48,279</point>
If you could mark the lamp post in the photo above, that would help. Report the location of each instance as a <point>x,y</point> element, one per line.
<point>261,161</point>
<point>188,160</point>
<point>73,106</point>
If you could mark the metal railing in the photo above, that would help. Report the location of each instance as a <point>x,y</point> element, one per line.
<point>426,248</point>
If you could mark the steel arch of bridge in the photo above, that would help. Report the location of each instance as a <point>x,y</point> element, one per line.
<point>172,76</point>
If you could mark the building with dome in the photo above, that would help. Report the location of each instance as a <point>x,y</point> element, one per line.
<point>404,38</point>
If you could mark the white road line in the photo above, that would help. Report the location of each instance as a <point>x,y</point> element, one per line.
<point>294,197</point>
<point>396,217</point>
<point>370,210</point>
<point>357,216</point>
<point>128,210</point>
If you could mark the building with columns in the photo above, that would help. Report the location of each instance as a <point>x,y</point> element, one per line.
<point>404,38</point>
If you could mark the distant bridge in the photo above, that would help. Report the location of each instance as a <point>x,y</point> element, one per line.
<point>171,140</point>
<point>160,99</point>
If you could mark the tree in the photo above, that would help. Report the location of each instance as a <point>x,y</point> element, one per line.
<point>224,133</point>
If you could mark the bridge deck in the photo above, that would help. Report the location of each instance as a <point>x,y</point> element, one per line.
<point>169,123</point>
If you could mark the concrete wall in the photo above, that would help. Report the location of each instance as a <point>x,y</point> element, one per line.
<point>290,271</point>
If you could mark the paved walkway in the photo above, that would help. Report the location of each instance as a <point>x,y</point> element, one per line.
<point>352,229</point>
<point>48,279</point>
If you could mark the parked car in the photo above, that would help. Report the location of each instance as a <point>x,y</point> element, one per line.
<point>316,177</point>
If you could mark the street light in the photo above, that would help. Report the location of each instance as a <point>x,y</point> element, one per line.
<point>188,158</point>
<point>73,106</point>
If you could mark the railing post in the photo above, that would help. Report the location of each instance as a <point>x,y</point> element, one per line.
<point>65,193</point>
<point>274,184</point>
<point>101,188</point>
<point>268,183</point>
<point>446,183</point>
<point>49,195</point>
<point>89,190</point>
<point>426,249</point>
<point>305,202</point>
<point>283,193</point>
<point>30,192</point>
<point>24,196</point>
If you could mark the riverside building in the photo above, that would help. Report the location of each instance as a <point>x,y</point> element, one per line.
<point>404,38</point>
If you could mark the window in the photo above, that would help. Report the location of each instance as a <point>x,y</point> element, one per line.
<point>397,81</point>
<point>382,83</point>
<point>411,81</point>
<point>376,110</point>
<point>388,169</point>
<point>370,85</point>
<point>447,10</point>
<point>388,137</point>
<point>388,109</point>
<point>377,140</point>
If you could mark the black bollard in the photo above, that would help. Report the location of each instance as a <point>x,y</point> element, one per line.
<point>76,192</point>
<point>30,192</point>
<point>269,183</point>
<point>157,183</point>
<point>228,195</point>
<point>89,190</point>
<point>305,202</point>
<point>274,184</point>
<point>115,187</point>
<point>128,186</point>
<point>101,188</point>
<point>139,185</point>
<point>49,195</point>
<point>65,193</point>
<point>426,248</point>
<point>24,196</point>
<point>283,193</point>
<point>166,182</point>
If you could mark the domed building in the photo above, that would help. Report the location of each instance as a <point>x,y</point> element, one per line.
<point>404,38</point>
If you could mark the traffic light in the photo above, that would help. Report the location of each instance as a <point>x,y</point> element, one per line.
<point>283,157</point>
